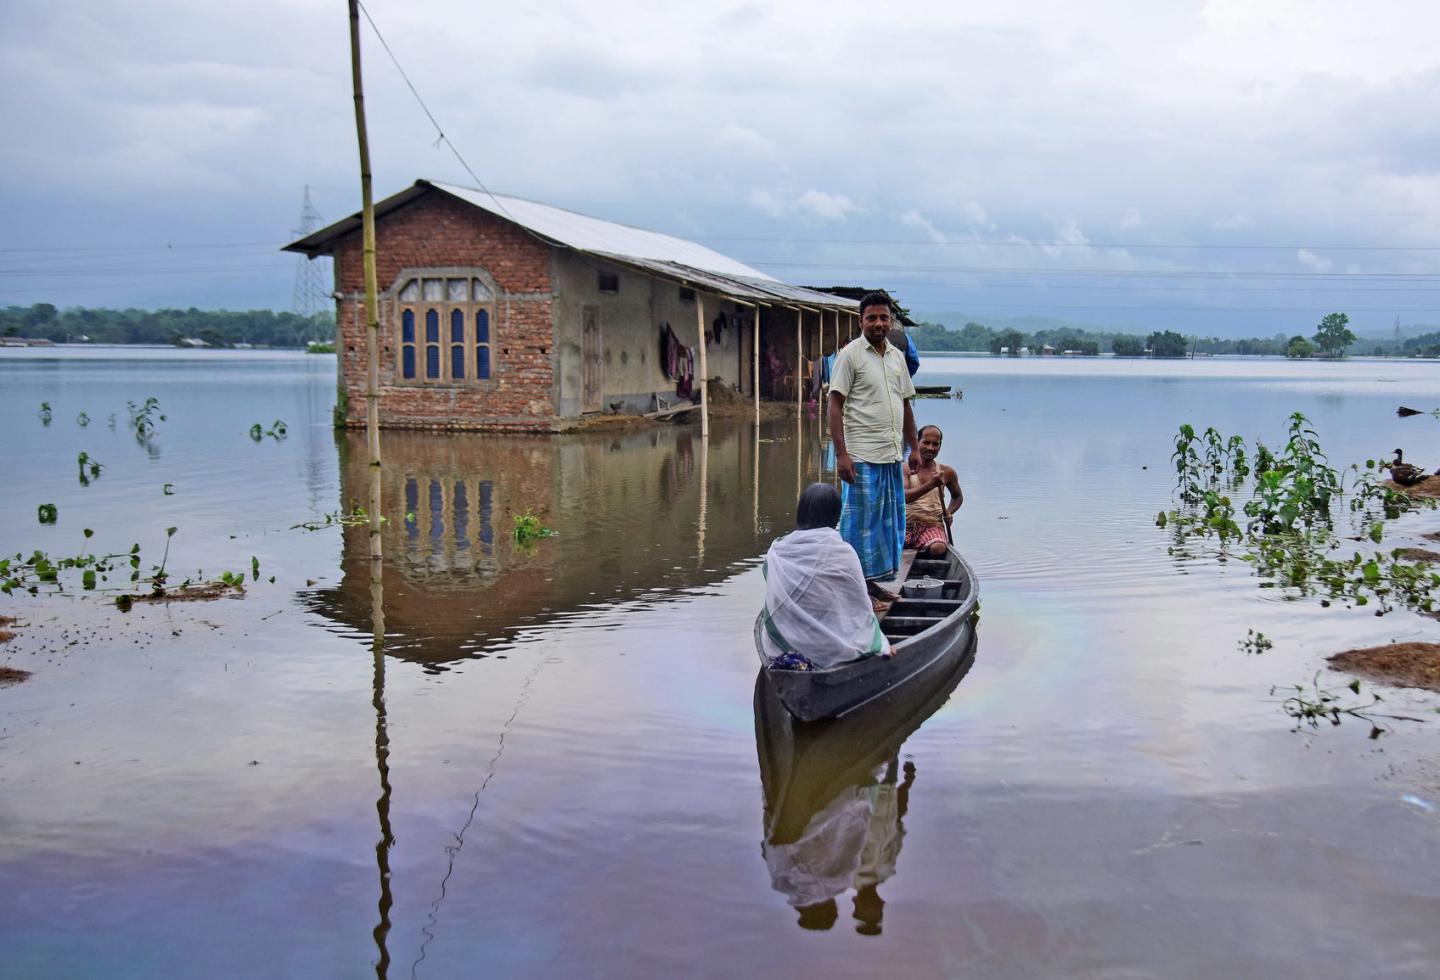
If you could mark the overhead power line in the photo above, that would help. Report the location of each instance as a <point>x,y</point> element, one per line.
<point>1004,243</point>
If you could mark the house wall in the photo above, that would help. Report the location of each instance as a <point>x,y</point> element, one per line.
<point>630,323</point>
<point>437,231</point>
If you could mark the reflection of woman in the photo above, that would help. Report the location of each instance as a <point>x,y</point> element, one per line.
<point>851,842</point>
<point>817,609</point>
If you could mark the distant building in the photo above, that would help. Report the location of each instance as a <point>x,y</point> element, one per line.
<point>191,342</point>
<point>502,313</point>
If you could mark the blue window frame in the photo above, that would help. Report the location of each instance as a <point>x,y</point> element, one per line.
<point>439,310</point>
<point>457,344</point>
<point>482,343</point>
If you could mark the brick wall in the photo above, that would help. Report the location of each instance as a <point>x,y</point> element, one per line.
<point>437,231</point>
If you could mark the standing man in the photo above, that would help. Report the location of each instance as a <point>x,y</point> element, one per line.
<point>870,421</point>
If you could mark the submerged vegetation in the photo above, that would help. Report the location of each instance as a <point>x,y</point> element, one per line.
<point>529,529</point>
<point>40,572</point>
<point>277,431</point>
<point>1286,528</point>
<point>1311,705</point>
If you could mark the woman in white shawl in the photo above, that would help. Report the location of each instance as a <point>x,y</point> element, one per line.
<point>816,604</point>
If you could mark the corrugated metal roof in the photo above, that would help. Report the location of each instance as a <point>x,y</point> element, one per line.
<point>589,234</point>
<point>666,255</point>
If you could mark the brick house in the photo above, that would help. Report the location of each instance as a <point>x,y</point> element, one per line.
<point>498,313</point>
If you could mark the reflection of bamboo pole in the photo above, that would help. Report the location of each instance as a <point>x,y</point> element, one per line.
<point>704,485</point>
<point>372,313</point>
<point>755,475</point>
<point>799,465</point>
<point>704,369</point>
<point>382,755</point>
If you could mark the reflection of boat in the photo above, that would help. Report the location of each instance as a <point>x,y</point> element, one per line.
<point>927,633</point>
<point>834,802</point>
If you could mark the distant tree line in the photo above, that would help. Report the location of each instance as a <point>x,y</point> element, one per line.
<point>218,328</point>
<point>1332,338</point>
<point>1074,340</point>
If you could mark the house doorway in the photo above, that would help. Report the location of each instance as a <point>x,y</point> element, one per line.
<point>590,359</point>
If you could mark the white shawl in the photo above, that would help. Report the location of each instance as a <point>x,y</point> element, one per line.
<point>816,603</point>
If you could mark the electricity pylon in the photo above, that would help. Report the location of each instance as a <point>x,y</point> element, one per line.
<point>311,294</point>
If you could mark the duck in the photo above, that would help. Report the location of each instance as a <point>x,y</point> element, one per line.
<point>1403,473</point>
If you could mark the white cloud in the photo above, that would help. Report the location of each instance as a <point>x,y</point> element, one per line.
<point>203,122</point>
<point>767,203</point>
<point>823,206</point>
<point>813,205</point>
<point>1313,262</point>
<point>914,219</point>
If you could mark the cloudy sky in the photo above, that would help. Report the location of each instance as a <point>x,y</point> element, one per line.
<point>1234,167</point>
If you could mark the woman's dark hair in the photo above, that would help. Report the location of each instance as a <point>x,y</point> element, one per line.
<point>819,507</point>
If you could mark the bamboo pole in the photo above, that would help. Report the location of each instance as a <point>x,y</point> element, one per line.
<point>372,312</point>
<point>704,367</point>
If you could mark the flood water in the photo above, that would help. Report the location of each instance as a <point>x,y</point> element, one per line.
<point>559,766</point>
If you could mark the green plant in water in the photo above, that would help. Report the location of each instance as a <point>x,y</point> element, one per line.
<point>39,570</point>
<point>1311,707</point>
<point>277,431</point>
<point>160,578</point>
<point>45,414</point>
<point>168,489</point>
<point>89,468</point>
<point>144,417</point>
<point>82,419</point>
<point>1255,642</point>
<point>1187,465</point>
<point>1289,537</point>
<point>529,529</point>
<point>355,518</point>
<point>47,513</point>
<point>1215,454</point>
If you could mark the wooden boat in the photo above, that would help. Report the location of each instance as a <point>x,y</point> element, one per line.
<point>933,391</point>
<point>928,635</point>
<point>804,765</point>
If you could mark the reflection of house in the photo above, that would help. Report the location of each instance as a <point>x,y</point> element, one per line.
<point>628,510</point>
<point>501,313</point>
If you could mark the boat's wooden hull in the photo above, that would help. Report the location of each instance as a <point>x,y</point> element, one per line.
<point>811,695</point>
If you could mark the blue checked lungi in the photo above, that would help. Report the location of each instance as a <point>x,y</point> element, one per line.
<point>872,517</point>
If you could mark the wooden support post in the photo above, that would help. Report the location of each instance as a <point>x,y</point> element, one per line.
<point>799,355</point>
<point>755,368</point>
<point>703,366</point>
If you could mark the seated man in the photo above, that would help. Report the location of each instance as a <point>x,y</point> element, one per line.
<point>926,514</point>
<point>816,605</point>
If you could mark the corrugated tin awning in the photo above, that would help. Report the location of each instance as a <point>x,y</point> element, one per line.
<point>768,292</point>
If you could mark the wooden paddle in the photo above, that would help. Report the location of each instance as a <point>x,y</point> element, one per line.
<point>941,491</point>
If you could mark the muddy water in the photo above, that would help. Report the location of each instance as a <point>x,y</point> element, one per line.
<point>559,765</point>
